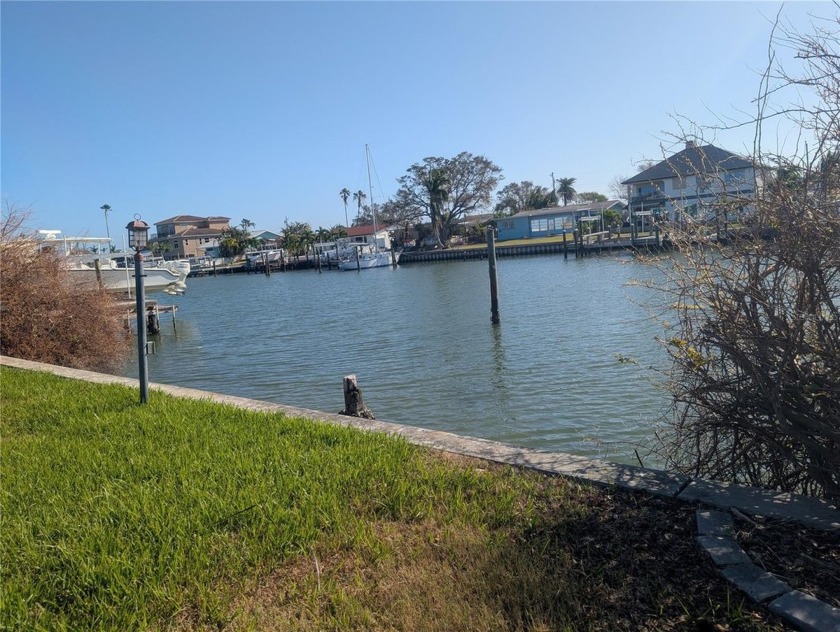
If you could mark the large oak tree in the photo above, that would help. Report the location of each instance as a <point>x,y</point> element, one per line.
<point>447,189</point>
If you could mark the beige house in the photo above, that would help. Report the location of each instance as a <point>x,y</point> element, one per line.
<point>695,182</point>
<point>185,236</point>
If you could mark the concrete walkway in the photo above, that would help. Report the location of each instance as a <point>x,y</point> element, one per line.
<point>714,527</point>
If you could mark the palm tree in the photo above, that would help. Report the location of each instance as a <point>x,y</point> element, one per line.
<point>359,196</point>
<point>323,234</point>
<point>107,210</point>
<point>566,190</point>
<point>338,231</point>
<point>345,195</point>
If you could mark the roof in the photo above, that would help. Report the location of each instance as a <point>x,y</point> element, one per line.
<point>692,160</point>
<point>191,219</point>
<point>194,232</point>
<point>479,218</point>
<point>595,207</point>
<point>266,234</point>
<point>359,231</point>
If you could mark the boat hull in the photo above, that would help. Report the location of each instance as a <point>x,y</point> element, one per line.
<point>122,280</point>
<point>370,260</point>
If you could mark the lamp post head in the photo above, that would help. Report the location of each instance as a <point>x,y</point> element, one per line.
<point>138,234</point>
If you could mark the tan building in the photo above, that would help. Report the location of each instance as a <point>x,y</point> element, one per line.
<point>185,236</point>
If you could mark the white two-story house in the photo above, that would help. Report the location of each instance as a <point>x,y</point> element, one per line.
<point>700,182</point>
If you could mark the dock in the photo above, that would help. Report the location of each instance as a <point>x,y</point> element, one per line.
<point>153,311</point>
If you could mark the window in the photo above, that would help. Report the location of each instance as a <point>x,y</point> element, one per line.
<point>506,225</point>
<point>542,225</point>
<point>651,189</point>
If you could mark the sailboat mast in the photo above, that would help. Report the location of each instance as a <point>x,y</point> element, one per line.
<point>370,194</point>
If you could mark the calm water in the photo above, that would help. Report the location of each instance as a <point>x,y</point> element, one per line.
<point>420,341</point>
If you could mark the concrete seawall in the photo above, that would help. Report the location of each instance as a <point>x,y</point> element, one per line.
<point>523,250</point>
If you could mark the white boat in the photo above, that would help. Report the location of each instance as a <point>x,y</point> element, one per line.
<point>375,258</point>
<point>114,271</point>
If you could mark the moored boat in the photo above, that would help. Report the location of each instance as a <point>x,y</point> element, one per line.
<point>114,271</point>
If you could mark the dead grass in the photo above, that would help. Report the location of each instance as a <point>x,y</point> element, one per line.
<point>591,559</point>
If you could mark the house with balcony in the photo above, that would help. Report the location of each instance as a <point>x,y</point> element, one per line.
<point>553,221</point>
<point>699,183</point>
<point>186,236</point>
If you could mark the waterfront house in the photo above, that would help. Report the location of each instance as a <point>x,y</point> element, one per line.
<point>553,221</point>
<point>366,235</point>
<point>698,183</point>
<point>185,236</point>
<point>267,238</point>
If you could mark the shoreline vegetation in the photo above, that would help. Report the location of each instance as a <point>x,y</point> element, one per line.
<point>189,515</point>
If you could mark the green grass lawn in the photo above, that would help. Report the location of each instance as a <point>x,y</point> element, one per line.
<point>188,515</point>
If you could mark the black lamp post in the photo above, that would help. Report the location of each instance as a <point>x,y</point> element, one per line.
<point>138,232</point>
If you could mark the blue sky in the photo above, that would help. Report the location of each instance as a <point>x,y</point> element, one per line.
<point>261,110</point>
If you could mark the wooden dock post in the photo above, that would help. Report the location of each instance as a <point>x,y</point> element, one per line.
<point>354,405</point>
<point>152,320</point>
<point>565,246</point>
<point>494,282</point>
<point>98,265</point>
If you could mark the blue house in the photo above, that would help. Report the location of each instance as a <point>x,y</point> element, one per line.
<point>549,222</point>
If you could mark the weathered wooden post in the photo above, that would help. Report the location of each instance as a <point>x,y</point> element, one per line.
<point>152,320</point>
<point>267,264</point>
<point>565,246</point>
<point>494,282</point>
<point>98,265</point>
<point>354,405</point>
<point>358,263</point>
<point>214,268</point>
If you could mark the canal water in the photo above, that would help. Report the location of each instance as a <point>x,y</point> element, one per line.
<point>573,366</point>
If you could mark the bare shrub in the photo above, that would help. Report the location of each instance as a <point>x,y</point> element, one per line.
<point>43,316</point>
<point>756,346</point>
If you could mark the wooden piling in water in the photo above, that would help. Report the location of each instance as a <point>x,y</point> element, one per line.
<point>494,282</point>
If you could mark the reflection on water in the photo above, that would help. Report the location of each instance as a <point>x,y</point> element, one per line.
<point>420,340</point>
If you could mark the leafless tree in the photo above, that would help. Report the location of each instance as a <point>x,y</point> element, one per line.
<point>43,315</point>
<point>755,341</point>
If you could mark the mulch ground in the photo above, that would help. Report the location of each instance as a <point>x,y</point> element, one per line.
<point>807,559</point>
<point>649,541</point>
